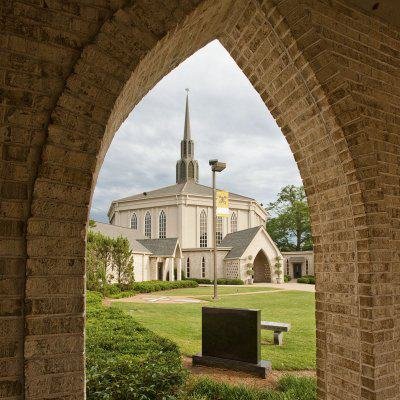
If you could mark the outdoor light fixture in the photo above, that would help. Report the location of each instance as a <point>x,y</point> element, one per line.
<point>216,166</point>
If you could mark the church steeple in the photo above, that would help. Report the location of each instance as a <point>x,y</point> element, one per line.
<point>187,167</point>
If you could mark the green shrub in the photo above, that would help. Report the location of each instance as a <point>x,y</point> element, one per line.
<point>110,290</point>
<point>306,279</point>
<point>224,281</point>
<point>93,299</point>
<point>289,388</point>
<point>156,286</point>
<point>311,280</point>
<point>221,281</point>
<point>202,281</point>
<point>287,278</point>
<point>121,295</point>
<point>125,360</point>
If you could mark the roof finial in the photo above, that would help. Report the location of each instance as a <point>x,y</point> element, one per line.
<point>187,90</point>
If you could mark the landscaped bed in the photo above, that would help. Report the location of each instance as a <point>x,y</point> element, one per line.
<point>124,360</point>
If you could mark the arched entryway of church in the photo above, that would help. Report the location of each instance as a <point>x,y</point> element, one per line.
<point>308,70</point>
<point>261,268</point>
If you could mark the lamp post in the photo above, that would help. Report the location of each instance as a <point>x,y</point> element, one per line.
<point>216,166</point>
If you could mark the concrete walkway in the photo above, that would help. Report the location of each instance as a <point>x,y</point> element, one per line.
<point>304,287</point>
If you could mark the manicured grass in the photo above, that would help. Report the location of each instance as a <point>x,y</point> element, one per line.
<point>182,324</point>
<point>289,388</point>
<point>207,291</point>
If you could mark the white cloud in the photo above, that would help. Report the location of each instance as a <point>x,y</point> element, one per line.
<point>229,121</point>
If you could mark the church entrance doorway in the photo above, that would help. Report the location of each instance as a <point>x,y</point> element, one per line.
<point>296,270</point>
<point>160,268</point>
<point>262,270</point>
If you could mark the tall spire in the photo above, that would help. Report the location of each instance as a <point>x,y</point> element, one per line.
<point>187,167</point>
<point>186,132</point>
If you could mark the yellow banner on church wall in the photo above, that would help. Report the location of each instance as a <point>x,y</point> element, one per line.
<point>222,198</point>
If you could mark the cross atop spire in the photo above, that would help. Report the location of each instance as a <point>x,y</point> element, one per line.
<point>187,167</point>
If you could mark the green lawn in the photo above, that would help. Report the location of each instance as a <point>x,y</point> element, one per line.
<point>182,322</point>
<point>207,291</point>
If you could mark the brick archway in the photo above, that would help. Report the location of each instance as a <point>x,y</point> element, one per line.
<point>72,75</point>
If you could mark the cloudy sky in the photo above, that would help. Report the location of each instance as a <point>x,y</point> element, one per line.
<point>228,120</point>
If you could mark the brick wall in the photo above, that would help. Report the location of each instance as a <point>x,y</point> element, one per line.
<point>70,74</point>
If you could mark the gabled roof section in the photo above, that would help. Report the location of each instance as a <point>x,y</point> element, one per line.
<point>160,247</point>
<point>115,231</point>
<point>189,188</point>
<point>239,241</point>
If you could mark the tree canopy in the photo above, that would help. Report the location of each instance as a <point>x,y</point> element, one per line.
<point>107,260</point>
<point>289,222</point>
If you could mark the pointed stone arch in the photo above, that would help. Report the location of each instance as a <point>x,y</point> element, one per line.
<point>262,268</point>
<point>334,105</point>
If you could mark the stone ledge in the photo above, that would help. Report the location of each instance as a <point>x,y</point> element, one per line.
<point>261,369</point>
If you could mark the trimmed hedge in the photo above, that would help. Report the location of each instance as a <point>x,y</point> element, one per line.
<point>221,281</point>
<point>116,291</point>
<point>126,361</point>
<point>307,279</point>
<point>287,278</point>
<point>156,286</point>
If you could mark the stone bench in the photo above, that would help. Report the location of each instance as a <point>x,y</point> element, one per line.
<point>278,328</point>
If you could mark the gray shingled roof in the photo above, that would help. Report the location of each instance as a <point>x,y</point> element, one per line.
<point>115,231</point>
<point>160,247</point>
<point>239,241</point>
<point>189,187</point>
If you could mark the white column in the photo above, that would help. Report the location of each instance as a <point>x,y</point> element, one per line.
<point>179,269</point>
<point>171,269</point>
<point>165,269</point>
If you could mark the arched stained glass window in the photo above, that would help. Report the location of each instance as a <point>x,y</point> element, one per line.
<point>218,230</point>
<point>203,267</point>
<point>203,229</point>
<point>147,225</point>
<point>234,222</point>
<point>162,225</point>
<point>188,268</point>
<point>134,221</point>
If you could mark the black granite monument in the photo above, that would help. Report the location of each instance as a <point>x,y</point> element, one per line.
<point>231,338</point>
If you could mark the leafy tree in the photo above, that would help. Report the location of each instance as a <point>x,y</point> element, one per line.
<point>105,254</point>
<point>122,260</point>
<point>98,252</point>
<point>289,225</point>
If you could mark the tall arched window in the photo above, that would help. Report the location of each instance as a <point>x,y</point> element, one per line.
<point>234,222</point>
<point>134,221</point>
<point>188,268</point>
<point>147,225</point>
<point>162,225</point>
<point>203,229</point>
<point>218,230</point>
<point>203,267</point>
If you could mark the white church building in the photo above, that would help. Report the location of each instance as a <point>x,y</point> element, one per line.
<point>170,229</point>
